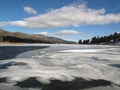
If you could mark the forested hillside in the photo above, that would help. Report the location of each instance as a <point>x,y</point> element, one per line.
<point>18,37</point>
<point>110,39</point>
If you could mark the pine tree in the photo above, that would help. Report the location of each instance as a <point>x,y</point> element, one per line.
<point>80,41</point>
<point>1,39</point>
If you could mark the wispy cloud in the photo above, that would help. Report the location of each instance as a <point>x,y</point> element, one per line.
<point>3,23</point>
<point>43,33</point>
<point>61,32</point>
<point>67,32</point>
<point>73,15</point>
<point>64,34</point>
<point>29,10</point>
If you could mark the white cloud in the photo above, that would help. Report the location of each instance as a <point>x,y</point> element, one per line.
<point>43,33</point>
<point>29,10</point>
<point>68,32</point>
<point>68,16</point>
<point>3,23</point>
<point>62,32</point>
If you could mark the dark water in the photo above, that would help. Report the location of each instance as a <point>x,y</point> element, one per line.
<point>9,52</point>
<point>77,84</point>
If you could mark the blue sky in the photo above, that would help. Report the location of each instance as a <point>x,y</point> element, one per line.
<point>66,19</point>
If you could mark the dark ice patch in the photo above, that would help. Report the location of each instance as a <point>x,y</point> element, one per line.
<point>30,82</point>
<point>3,80</point>
<point>97,59</point>
<point>6,65</point>
<point>115,65</point>
<point>77,84</point>
<point>9,52</point>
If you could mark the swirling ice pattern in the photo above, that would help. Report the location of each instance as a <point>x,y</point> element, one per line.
<point>64,63</point>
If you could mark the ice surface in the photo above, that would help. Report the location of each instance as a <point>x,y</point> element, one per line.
<point>77,51</point>
<point>65,63</point>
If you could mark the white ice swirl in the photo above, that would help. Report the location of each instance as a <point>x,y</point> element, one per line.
<point>65,64</point>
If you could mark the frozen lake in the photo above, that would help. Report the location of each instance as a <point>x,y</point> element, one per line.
<point>62,67</point>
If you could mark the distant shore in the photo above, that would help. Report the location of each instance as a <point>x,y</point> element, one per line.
<point>11,43</point>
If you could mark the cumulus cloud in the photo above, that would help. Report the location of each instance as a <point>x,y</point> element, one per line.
<point>29,10</point>
<point>73,15</point>
<point>68,32</point>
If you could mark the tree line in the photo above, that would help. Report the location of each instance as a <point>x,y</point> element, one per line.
<point>113,38</point>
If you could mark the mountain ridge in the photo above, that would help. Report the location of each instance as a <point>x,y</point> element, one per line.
<point>18,37</point>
